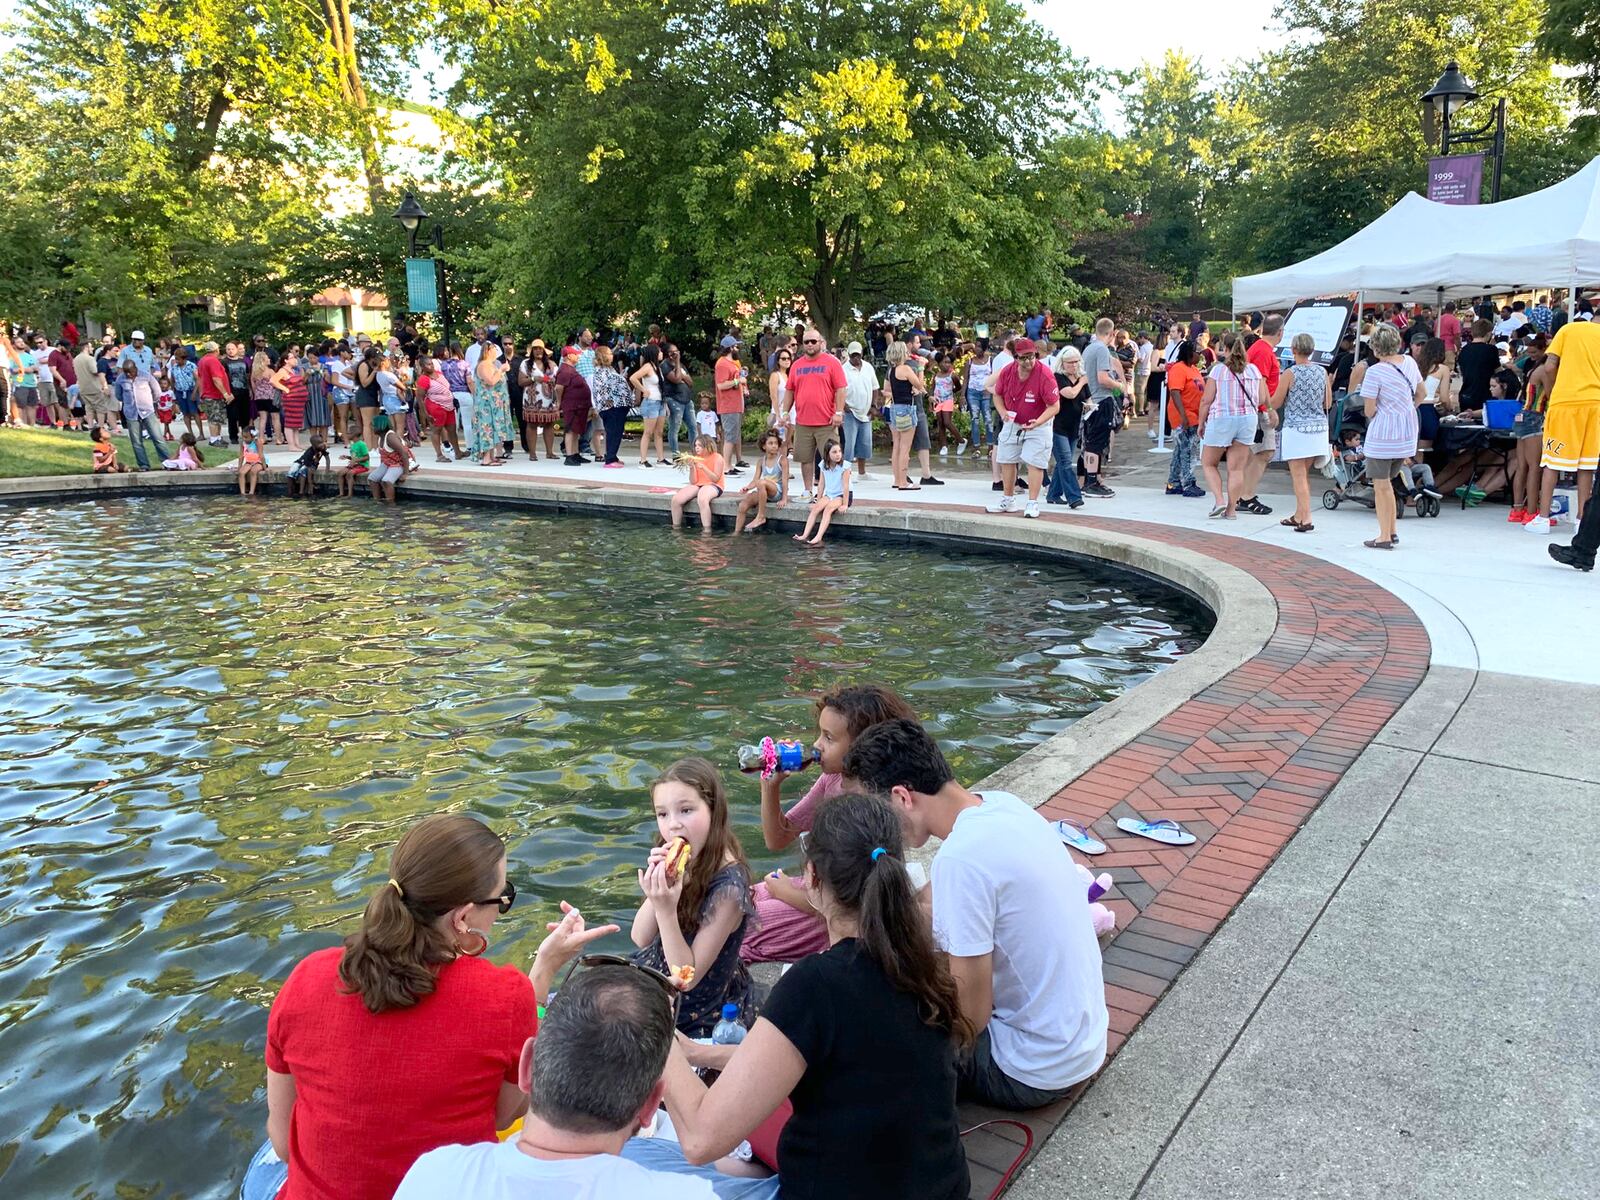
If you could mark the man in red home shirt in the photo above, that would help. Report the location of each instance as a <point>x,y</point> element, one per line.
<point>817,387</point>
<point>1263,355</point>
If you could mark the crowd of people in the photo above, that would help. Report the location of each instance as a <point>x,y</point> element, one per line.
<point>1043,406</point>
<point>404,1063</point>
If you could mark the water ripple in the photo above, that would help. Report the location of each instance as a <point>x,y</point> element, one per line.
<point>218,717</point>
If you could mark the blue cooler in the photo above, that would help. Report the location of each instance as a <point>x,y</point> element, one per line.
<point>1499,414</point>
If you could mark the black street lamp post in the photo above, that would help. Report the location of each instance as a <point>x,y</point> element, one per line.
<point>411,214</point>
<point>1440,103</point>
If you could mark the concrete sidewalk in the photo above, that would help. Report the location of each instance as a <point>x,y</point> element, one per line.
<point>1404,1004</point>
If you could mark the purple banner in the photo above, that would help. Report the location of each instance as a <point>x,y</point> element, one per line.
<point>1456,179</point>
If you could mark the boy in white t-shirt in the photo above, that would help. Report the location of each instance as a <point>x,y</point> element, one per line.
<point>590,1089</point>
<point>1012,914</point>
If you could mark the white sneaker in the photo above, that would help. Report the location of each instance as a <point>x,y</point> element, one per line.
<point>1003,505</point>
<point>1538,525</point>
<point>1151,434</point>
<point>961,449</point>
<point>1031,509</point>
<point>944,451</point>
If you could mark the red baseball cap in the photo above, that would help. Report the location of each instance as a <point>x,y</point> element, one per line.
<point>1023,346</point>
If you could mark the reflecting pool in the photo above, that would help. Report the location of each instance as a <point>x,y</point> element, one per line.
<point>217,716</point>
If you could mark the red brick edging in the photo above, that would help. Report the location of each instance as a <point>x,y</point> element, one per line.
<point>1242,764</point>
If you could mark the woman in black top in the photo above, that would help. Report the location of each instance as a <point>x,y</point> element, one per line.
<point>862,1040</point>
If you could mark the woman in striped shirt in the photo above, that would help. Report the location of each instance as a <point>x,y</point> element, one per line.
<point>1391,389</point>
<point>1230,412</point>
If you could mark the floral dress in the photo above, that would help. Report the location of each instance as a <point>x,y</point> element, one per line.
<point>491,415</point>
<point>727,980</point>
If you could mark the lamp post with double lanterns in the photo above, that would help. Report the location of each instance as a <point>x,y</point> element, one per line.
<point>411,215</point>
<point>1439,106</point>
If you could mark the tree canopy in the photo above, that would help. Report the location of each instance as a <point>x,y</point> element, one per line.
<point>618,160</point>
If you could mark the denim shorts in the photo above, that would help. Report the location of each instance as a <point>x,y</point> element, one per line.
<point>1226,431</point>
<point>857,436</point>
<point>651,409</point>
<point>903,417</point>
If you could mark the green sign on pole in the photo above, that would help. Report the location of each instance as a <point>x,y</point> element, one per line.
<point>422,284</point>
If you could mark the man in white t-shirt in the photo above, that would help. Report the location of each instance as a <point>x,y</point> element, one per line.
<point>861,385</point>
<point>593,1076</point>
<point>1011,913</point>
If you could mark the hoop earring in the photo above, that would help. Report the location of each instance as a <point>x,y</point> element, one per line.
<point>483,944</point>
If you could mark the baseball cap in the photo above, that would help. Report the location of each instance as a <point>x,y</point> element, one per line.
<point>1023,346</point>
<point>853,348</point>
<point>137,335</point>
<point>729,341</point>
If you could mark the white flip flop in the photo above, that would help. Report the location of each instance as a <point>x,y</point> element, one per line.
<point>1079,838</point>
<point>1168,832</point>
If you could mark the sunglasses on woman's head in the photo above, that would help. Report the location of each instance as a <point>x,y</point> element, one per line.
<point>674,994</point>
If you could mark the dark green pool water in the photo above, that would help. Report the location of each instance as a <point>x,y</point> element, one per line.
<point>217,716</point>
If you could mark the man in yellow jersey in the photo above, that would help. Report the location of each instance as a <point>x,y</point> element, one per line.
<point>1570,375</point>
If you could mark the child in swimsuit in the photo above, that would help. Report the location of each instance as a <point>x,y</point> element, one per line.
<point>770,484</point>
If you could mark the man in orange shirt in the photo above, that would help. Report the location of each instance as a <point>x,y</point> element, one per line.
<point>732,387</point>
<point>1263,355</point>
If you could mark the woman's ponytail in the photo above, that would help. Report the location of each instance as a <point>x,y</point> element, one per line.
<point>440,864</point>
<point>856,847</point>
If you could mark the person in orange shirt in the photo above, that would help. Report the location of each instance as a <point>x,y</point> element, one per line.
<point>705,483</point>
<point>1185,387</point>
<point>105,453</point>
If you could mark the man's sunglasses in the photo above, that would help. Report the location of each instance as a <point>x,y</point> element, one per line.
<point>505,900</point>
<point>674,995</point>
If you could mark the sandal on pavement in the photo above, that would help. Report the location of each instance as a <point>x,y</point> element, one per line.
<point>1079,838</point>
<point>1375,544</point>
<point>1168,832</point>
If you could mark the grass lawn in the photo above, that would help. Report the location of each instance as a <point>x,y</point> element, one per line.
<point>26,450</point>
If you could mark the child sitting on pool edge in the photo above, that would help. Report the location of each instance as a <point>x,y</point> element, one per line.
<point>105,453</point>
<point>357,463</point>
<point>832,495</point>
<point>695,919</point>
<point>303,474</point>
<point>705,482</point>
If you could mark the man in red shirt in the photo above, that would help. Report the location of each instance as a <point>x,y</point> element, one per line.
<point>817,387</point>
<point>1026,397</point>
<point>211,381</point>
<point>1450,332</point>
<point>732,383</point>
<point>1263,355</point>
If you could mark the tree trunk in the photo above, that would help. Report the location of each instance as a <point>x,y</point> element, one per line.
<point>205,142</point>
<point>342,37</point>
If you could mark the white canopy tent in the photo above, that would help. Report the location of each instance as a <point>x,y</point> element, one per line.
<point>1421,251</point>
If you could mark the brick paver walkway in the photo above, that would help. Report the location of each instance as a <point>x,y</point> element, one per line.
<point>1241,765</point>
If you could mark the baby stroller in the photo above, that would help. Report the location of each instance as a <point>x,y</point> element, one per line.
<point>1350,479</point>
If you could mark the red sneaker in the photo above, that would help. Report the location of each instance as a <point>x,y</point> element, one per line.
<point>1518,516</point>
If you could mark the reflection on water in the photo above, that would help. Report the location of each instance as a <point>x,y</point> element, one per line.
<point>216,718</point>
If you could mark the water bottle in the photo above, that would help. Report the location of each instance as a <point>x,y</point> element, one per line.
<point>770,755</point>
<point>728,1031</point>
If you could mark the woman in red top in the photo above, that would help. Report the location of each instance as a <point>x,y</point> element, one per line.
<point>291,387</point>
<point>404,1039</point>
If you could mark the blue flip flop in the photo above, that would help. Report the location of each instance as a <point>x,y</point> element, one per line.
<point>1079,838</point>
<point>1167,832</point>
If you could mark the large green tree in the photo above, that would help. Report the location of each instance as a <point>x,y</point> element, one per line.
<point>1318,138</point>
<point>841,155</point>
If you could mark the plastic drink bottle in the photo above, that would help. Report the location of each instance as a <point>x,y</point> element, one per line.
<point>770,755</point>
<point>728,1031</point>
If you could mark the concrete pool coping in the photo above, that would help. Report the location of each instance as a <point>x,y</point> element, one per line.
<point>1241,741</point>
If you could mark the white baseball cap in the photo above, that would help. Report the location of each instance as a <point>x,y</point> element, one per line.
<point>853,348</point>
<point>137,335</point>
